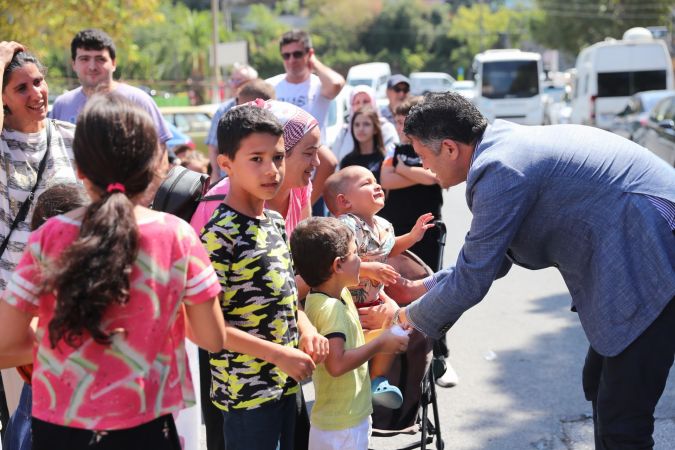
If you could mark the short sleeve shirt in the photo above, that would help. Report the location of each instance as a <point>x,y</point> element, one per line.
<point>143,374</point>
<point>253,263</point>
<point>68,106</point>
<point>371,245</point>
<point>341,402</point>
<point>305,95</point>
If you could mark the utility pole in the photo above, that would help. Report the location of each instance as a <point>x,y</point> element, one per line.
<point>215,97</point>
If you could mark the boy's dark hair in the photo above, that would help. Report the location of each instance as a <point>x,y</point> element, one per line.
<point>406,105</point>
<point>58,199</point>
<point>116,149</point>
<point>445,116</point>
<point>296,35</point>
<point>92,39</point>
<point>255,89</point>
<point>242,121</point>
<point>315,243</point>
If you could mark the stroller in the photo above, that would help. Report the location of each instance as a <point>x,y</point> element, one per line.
<point>413,372</point>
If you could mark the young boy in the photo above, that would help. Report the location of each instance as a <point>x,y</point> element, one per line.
<point>324,252</point>
<point>353,195</point>
<point>254,380</point>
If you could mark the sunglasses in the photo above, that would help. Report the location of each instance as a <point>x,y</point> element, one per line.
<point>399,89</point>
<point>296,55</point>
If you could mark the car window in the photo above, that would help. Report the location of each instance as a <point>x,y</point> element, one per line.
<point>660,110</point>
<point>181,122</point>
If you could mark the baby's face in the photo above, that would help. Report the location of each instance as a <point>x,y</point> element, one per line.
<point>364,194</point>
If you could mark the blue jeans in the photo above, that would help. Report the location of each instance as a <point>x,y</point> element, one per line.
<point>268,427</point>
<point>17,434</point>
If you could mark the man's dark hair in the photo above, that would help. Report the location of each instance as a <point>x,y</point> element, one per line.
<point>406,105</point>
<point>296,36</point>
<point>445,116</point>
<point>315,243</point>
<point>92,39</point>
<point>242,121</point>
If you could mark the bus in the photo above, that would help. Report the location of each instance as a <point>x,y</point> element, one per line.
<point>509,86</point>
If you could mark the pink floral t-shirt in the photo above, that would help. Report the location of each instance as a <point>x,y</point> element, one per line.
<point>299,198</point>
<point>143,374</point>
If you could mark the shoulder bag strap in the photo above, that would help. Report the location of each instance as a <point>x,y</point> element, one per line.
<point>25,206</point>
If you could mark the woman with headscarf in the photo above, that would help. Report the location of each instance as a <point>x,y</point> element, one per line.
<point>302,138</point>
<point>362,96</point>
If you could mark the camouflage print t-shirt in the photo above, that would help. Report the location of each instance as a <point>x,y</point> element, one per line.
<point>253,263</point>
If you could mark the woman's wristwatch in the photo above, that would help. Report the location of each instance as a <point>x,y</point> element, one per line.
<point>396,320</point>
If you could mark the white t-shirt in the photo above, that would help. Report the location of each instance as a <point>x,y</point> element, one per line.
<point>305,95</point>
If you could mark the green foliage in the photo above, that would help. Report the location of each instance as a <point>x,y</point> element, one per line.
<point>573,24</point>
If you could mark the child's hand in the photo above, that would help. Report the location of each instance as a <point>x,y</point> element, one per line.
<point>421,226</point>
<point>391,343</point>
<point>315,345</point>
<point>297,364</point>
<point>380,272</point>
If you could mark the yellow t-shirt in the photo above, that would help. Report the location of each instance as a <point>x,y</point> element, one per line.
<point>341,402</point>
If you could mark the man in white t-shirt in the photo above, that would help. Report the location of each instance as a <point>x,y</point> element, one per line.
<point>311,85</point>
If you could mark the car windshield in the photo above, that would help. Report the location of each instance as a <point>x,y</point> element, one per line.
<point>510,79</point>
<point>360,81</point>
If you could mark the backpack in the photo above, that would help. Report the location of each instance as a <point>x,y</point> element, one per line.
<point>181,191</point>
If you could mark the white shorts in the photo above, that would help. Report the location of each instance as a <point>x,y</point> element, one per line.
<point>354,438</point>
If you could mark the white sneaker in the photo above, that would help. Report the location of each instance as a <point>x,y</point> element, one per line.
<point>449,378</point>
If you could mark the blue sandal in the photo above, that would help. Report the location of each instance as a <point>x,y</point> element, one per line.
<point>384,394</point>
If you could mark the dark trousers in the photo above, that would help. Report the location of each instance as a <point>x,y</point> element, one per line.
<point>625,389</point>
<point>159,434</point>
<point>268,427</point>
<point>213,417</point>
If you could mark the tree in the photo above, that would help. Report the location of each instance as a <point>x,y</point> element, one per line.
<point>479,28</point>
<point>571,25</point>
<point>45,25</point>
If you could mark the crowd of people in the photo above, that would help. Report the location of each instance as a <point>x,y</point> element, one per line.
<point>110,310</point>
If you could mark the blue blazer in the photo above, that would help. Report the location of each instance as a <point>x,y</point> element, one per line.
<point>571,197</point>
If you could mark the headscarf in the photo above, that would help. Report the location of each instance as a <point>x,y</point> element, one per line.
<point>295,121</point>
<point>362,88</point>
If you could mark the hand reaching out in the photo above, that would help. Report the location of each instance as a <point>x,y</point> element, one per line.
<point>380,272</point>
<point>421,226</point>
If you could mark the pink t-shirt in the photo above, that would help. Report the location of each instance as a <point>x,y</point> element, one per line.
<point>299,198</point>
<point>144,373</point>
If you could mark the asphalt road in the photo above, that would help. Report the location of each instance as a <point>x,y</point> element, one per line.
<point>519,355</point>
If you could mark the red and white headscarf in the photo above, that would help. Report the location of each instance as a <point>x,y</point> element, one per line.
<point>295,121</point>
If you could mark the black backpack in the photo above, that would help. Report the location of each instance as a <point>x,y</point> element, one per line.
<point>181,191</point>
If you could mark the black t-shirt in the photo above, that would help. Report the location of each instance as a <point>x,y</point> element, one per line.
<point>372,162</point>
<point>404,206</point>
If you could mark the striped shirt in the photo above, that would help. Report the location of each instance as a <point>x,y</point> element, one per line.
<point>20,156</point>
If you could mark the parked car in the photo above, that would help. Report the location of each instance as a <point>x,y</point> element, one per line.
<point>338,112</point>
<point>194,121</point>
<point>423,82</point>
<point>636,114</point>
<point>373,74</point>
<point>465,87</point>
<point>658,134</point>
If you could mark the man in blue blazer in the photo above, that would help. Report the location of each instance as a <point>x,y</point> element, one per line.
<point>599,208</point>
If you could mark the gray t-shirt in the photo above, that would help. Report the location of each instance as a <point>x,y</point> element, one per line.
<point>68,106</point>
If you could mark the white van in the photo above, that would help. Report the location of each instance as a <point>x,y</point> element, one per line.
<point>508,86</point>
<point>373,74</point>
<point>609,72</point>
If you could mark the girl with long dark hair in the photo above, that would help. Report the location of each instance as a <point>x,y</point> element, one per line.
<point>111,284</point>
